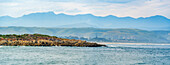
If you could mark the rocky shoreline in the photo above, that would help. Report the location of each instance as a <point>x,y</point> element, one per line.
<point>42,40</point>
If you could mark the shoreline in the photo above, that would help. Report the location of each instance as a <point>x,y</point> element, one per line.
<point>133,43</point>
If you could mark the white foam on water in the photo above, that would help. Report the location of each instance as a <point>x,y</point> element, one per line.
<point>1,46</point>
<point>140,46</point>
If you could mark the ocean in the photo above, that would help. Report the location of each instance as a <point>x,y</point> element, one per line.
<point>114,54</point>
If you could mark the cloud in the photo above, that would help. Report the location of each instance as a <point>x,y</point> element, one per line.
<point>121,8</point>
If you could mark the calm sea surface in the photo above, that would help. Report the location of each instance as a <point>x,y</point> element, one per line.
<point>115,54</point>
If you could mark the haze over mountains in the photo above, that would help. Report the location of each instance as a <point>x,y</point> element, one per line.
<point>50,19</point>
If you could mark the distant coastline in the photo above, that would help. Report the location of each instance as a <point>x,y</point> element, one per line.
<point>134,43</point>
<point>123,35</point>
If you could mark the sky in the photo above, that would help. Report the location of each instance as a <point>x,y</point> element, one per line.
<point>120,8</point>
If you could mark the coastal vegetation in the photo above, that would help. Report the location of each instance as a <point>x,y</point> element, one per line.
<point>42,40</point>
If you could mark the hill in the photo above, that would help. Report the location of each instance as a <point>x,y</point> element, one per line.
<point>42,40</point>
<point>50,19</point>
<point>111,35</point>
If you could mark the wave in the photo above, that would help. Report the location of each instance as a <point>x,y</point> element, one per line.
<point>1,46</point>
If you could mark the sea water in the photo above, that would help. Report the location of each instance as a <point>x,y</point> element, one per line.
<point>114,54</point>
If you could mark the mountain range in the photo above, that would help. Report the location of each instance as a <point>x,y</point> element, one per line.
<point>50,19</point>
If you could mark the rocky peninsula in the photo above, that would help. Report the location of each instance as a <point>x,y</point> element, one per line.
<point>42,40</point>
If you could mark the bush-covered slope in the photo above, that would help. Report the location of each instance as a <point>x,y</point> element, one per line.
<point>42,40</point>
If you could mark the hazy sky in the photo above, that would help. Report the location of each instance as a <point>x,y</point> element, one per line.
<point>120,8</point>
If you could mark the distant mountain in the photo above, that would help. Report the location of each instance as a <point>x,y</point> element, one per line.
<point>118,35</point>
<point>50,19</point>
<point>77,25</point>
